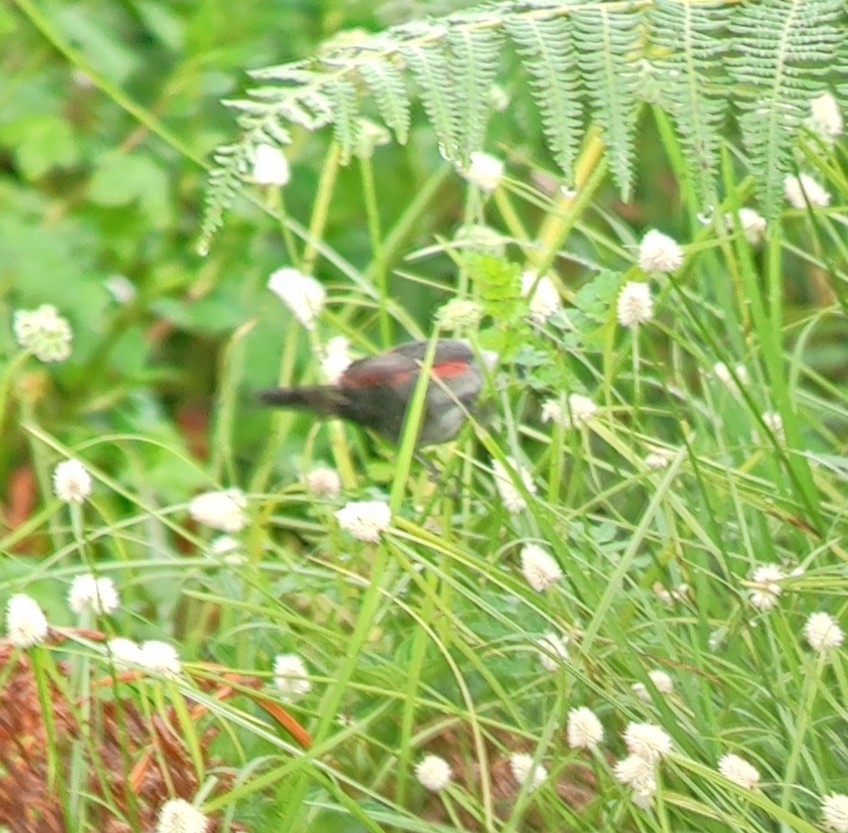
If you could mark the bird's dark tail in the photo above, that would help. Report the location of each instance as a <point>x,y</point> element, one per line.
<point>324,400</point>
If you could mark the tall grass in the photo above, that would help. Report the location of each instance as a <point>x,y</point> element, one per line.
<point>717,448</point>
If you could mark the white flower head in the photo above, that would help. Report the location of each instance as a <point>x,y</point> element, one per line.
<point>539,568</point>
<point>753,225</point>
<point>803,189</point>
<point>45,333</point>
<point>88,592</point>
<point>433,773</point>
<point>669,597</point>
<point>485,171</point>
<point>459,314</point>
<point>224,545</point>
<point>645,797</point>
<point>580,410</point>
<point>723,374</point>
<point>525,772</point>
<point>822,632</point>
<point>739,771</point>
<point>825,117</point>
<point>121,288</point>
<point>835,812</point>
<point>123,652</point>
<point>291,676</point>
<point>511,495</point>
<point>552,411</point>
<point>659,458</point>
<point>647,740</point>
<point>26,625</point>
<point>270,166</point>
<point>774,422</point>
<point>336,359</point>
<point>71,482</point>
<point>662,593</point>
<point>635,304</point>
<point>178,816</point>
<point>553,651</point>
<point>227,549</point>
<point>637,772</point>
<point>323,482</point>
<point>302,294</point>
<point>498,98</point>
<point>662,682</point>
<point>370,136</point>
<point>366,520</point>
<point>659,253</point>
<point>544,300</point>
<point>159,658</point>
<point>220,510</point>
<point>765,586</point>
<point>584,730</point>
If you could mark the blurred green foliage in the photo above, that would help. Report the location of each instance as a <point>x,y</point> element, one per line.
<point>109,113</point>
<point>98,209</point>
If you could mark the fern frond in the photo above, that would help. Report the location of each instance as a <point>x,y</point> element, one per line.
<point>389,90</point>
<point>231,166</point>
<point>547,52</point>
<point>296,73</point>
<point>473,64</point>
<point>345,100</point>
<point>694,60</point>
<point>609,50</point>
<point>691,83</point>
<point>785,49</point>
<point>841,72</point>
<point>430,68</point>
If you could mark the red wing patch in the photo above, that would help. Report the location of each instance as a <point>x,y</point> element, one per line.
<point>450,370</point>
<point>379,377</point>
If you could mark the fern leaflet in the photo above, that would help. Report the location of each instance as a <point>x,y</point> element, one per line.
<point>547,51</point>
<point>473,66</point>
<point>430,68</point>
<point>608,46</point>
<point>785,48</point>
<point>387,85</point>
<point>691,82</point>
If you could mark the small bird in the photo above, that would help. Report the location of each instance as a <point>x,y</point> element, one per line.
<point>375,392</point>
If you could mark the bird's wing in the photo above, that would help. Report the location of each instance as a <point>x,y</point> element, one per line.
<point>393,370</point>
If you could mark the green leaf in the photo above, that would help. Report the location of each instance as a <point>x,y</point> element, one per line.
<point>164,22</point>
<point>498,283</point>
<point>122,180</point>
<point>40,143</point>
<point>595,298</point>
<point>95,36</point>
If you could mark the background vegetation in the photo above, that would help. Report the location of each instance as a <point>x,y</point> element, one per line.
<point>428,642</point>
